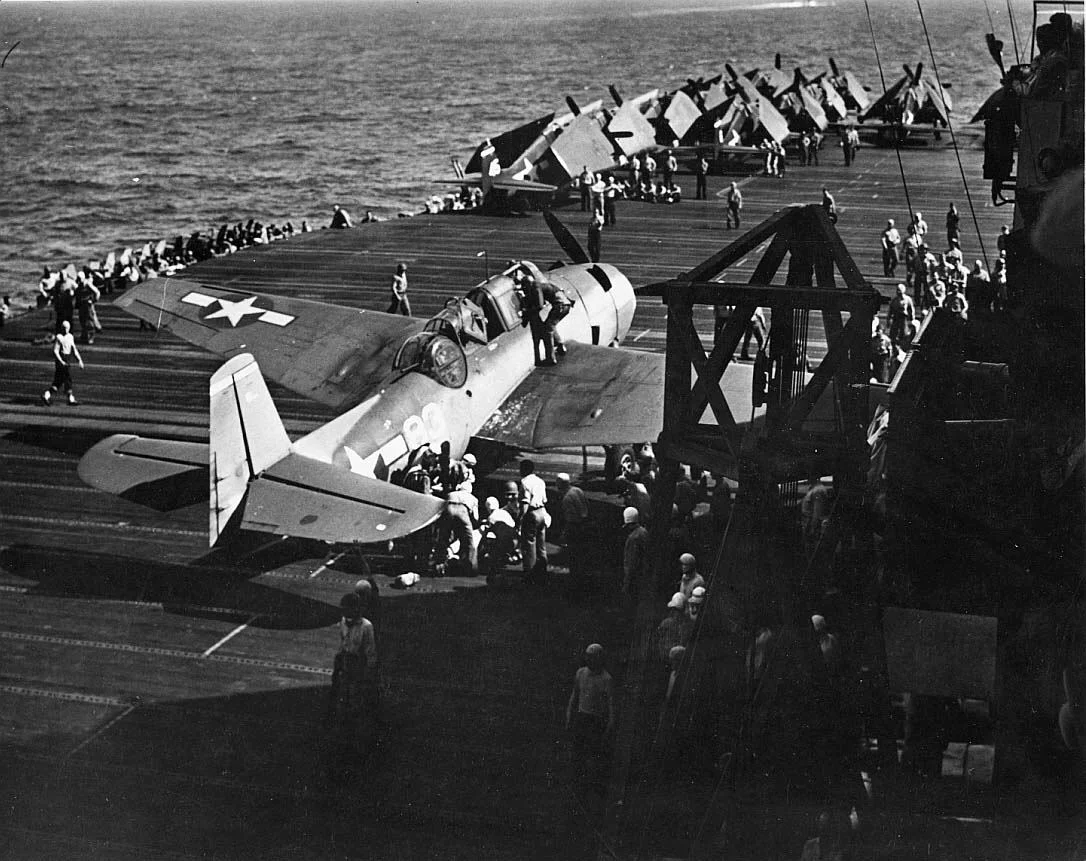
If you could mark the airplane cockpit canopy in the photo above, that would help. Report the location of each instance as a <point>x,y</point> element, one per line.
<point>436,355</point>
<point>461,320</point>
<point>500,303</point>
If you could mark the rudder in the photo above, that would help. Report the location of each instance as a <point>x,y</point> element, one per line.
<point>246,437</point>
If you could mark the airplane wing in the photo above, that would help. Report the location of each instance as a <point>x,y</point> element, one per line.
<point>329,353</point>
<point>309,499</point>
<point>594,395</point>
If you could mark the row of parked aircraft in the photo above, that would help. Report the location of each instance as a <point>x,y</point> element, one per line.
<point>728,115</point>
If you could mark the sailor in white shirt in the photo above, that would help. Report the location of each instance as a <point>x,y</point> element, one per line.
<point>534,521</point>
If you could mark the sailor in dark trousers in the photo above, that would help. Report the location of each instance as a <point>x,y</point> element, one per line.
<point>595,232</point>
<point>533,302</point>
<point>700,173</point>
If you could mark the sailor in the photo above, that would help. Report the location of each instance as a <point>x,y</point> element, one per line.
<point>890,241</point>
<point>670,166</point>
<point>674,630</point>
<point>560,306</point>
<point>756,327</point>
<point>829,204</point>
<point>86,294</point>
<point>352,707</point>
<point>882,351</point>
<point>460,516</point>
<point>701,171</point>
<point>498,536</point>
<point>534,521</point>
<point>920,226</point>
<point>400,303</point>
<point>341,219</point>
<point>734,200</point>
<point>978,289</point>
<point>805,149</point>
<point>573,508</point>
<point>953,220</point>
<point>64,350</point>
<point>533,305</point>
<point>610,195</point>
<point>595,234</point>
<point>816,145</point>
<point>586,180</point>
<point>599,192</point>
<point>901,314</point>
<point>694,603</point>
<point>690,578</point>
<point>635,550</point>
<point>650,166</point>
<point>590,719</point>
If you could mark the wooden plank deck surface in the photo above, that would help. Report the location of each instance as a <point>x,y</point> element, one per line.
<point>159,702</point>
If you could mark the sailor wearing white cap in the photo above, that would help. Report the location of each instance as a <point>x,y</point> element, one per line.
<point>694,603</point>
<point>635,553</point>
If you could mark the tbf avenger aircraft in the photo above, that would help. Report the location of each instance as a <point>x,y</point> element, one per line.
<point>401,386</point>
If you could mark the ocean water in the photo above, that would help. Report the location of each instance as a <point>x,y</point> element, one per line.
<point>123,122</point>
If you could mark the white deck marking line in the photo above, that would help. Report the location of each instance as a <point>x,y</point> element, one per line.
<point>101,730</point>
<point>231,635</point>
<point>96,524</point>
<point>642,335</point>
<point>328,564</point>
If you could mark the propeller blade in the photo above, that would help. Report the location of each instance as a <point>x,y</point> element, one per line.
<point>777,61</point>
<point>565,239</point>
<point>614,95</point>
<point>833,66</point>
<point>573,106</point>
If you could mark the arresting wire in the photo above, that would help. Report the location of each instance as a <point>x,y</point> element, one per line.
<point>953,137</point>
<point>897,142</point>
<point>1014,34</point>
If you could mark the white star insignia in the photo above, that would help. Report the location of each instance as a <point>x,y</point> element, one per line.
<point>235,312</point>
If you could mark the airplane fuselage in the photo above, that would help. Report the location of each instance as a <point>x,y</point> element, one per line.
<point>413,408</point>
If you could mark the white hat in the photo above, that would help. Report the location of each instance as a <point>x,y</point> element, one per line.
<point>697,596</point>
<point>818,622</point>
<point>688,559</point>
<point>562,477</point>
<point>677,602</point>
<point>492,503</point>
<point>630,515</point>
<point>470,459</point>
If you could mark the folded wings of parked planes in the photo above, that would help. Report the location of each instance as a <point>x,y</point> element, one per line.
<point>727,115</point>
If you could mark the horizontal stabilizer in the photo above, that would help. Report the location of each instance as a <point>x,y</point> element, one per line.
<point>311,499</point>
<point>162,474</point>
<point>506,183</point>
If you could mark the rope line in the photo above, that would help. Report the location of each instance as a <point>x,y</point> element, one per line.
<point>897,143</point>
<point>1014,34</point>
<point>953,137</point>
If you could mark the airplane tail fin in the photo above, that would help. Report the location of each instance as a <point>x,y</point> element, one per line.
<point>246,437</point>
